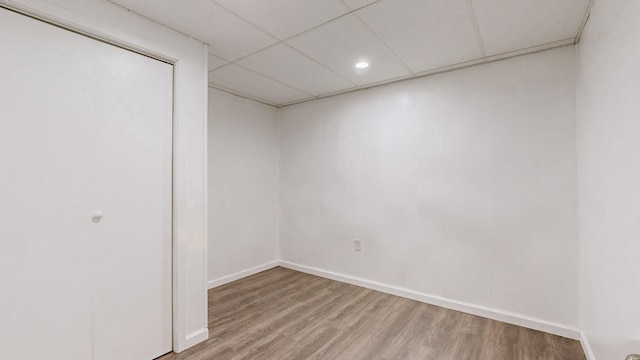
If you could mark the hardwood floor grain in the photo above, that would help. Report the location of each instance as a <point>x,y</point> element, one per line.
<point>283,314</point>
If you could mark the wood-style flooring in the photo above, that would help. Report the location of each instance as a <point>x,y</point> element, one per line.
<point>284,314</point>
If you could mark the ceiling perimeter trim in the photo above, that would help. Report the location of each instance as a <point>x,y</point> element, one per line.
<point>466,64</point>
<point>463,65</point>
<point>243,95</point>
<point>584,21</point>
<point>158,22</point>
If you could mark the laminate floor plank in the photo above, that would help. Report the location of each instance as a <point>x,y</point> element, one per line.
<point>505,341</point>
<point>470,347</point>
<point>383,336</point>
<point>445,330</point>
<point>320,316</point>
<point>313,343</point>
<point>408,342</point>
<point>534,345</point>
<point>563,350</point>
<point>274,323</point>
<point>355,330</point>
<point>281,314</point>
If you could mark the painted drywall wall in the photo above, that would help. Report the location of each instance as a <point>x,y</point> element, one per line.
<point>243,185</point>
<point>106,20</point>
<point>460,185</point>
<point>609,178</point>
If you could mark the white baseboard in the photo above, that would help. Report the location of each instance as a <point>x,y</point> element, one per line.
<point>241,274</point>
<point>491,313</point>
<point>586,347</point>
<point>196,337</point>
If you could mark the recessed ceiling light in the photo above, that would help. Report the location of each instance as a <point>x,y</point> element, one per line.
<point>362,65</point>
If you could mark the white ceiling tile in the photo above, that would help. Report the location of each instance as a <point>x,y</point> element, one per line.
<point>285,18</point>
<point>517,24</point>
<point>397,37</point>
<point>356,4</point>
<point>288,66</point>
<point>230,36</point>
<point>215,62</point>
<point>234,77</point>
<point>345,41</point>
<point>426,35</point>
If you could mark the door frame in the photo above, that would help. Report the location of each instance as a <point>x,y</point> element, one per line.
<point>99,20</point>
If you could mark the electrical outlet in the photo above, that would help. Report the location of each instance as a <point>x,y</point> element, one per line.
<point>357,245</point>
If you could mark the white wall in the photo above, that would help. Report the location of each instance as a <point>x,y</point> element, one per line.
<point>609,178</point>
<point>105,20</point>
<point>461,185</point>
<point>243,185</point>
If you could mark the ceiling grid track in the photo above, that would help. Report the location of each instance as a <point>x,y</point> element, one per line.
<point>383,43</point>
<point>584,21</point>
<point>285,52</point>
<point>285,42</point>
<point>474,21</point>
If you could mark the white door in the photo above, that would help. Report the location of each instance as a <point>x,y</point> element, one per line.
<point>133,190</point>
<point>85,127</point>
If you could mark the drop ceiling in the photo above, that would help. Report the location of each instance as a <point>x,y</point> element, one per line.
<point>282,52</point>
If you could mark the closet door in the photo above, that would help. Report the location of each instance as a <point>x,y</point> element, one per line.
<point>46,137</point>
<point>132,252</point>
<point>85,131</point>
